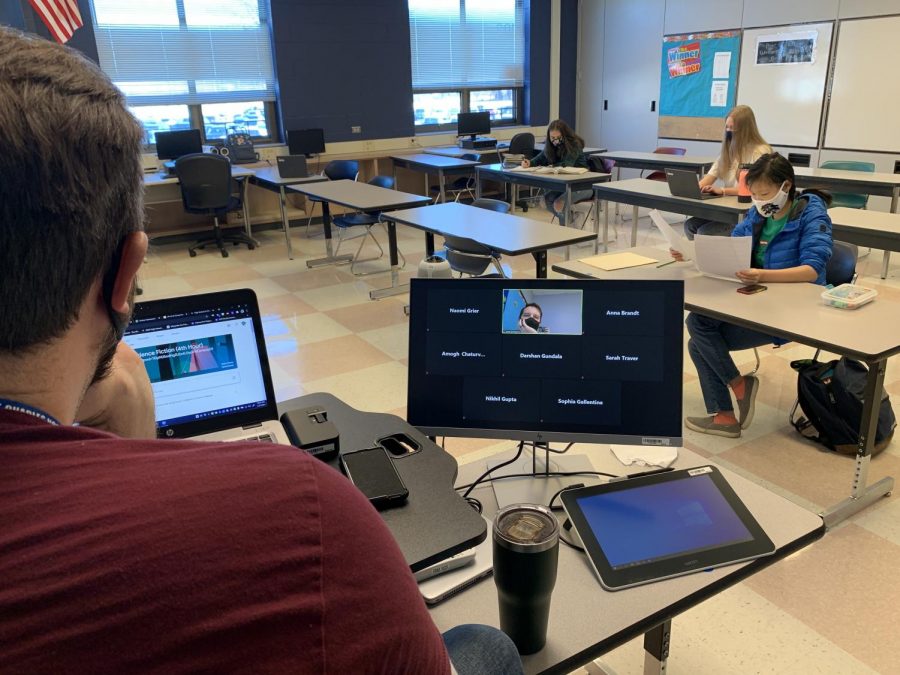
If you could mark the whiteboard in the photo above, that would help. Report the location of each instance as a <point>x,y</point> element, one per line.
<point>787,98</point>
<point>862,114</point>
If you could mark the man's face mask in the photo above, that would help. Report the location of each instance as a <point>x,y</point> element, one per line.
<point>769,207</point>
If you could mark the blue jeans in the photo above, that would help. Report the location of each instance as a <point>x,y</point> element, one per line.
<point>710,347</point>
<point>696,225</point>
<point>482,650</point>
<point>551,196</point>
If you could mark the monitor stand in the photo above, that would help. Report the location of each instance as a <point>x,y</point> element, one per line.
<point>538,487</point>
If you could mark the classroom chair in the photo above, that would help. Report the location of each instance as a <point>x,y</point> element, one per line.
<point>661,175</point>
<point>366,220</point>
<point>467,256</point>
<point>336,169</point>
<point>841,269</point>
<point>849,199</point>
<point>205,182</point>
<point>460,186</point>
<point>584,209</point>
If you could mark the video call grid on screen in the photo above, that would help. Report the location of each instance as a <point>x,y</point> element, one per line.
<point>598,357</point>
<point>201,367</point>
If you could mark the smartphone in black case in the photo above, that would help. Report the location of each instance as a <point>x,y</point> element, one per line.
<point>373,472</point>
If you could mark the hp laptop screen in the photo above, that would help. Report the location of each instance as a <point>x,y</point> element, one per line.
<point>206,360</point>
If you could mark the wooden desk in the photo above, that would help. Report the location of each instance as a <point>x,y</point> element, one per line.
<point>436,164</point>
<point>655,194</point>
<point>505,233</point>
<point>586,621</point>
<point>268,178</point>
<point>867,228</point>
<point>794,312</point>
<point>557,182</point>
<point>356,196</point>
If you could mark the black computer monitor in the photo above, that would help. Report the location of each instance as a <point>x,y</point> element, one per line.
<point>473,123</point>
<point>603,364</point>
<point>174,144</point>
<point>307,142</point>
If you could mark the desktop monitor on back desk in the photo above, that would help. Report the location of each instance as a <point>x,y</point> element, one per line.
<point>173,144</point>
<point>598,362</point>
<point>473,123</point>
<point>307,142</point>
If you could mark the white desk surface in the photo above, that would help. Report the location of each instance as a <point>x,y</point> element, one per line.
<point>865,219</point>
<point>269,174</point>
<point>838,175</point>
<point>656,158</point>
<point>512,175</point>
<point>356,195</point>
<point>660,188</point>
<point>433,161</point>
<point>792,311</point>
<point>157,178</point>
<point>586,620</point>
<point>456,151</point>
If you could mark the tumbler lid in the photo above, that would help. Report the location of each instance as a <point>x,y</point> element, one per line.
<point>529,528</point>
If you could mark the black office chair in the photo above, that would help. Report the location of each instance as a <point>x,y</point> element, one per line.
<point>460,186</point>
<point>336,169</point>
<point>205,182</point>
<point>467,256</point>
<point>841,269</point>
<point>367,220</point>
<point>497,205</point>
<point>522,144</point>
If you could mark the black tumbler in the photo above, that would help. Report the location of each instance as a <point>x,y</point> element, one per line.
<point>526,551</point>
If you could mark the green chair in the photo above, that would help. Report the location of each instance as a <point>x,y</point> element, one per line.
<point>848,199</point>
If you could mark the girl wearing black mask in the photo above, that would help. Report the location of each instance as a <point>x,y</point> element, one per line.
<point>563,147</point>
<point>741,144</point>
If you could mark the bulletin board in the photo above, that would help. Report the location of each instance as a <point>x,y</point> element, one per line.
<point>698,80</point>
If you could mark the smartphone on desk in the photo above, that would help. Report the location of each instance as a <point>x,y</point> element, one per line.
<point>373,472</point>
<point>751,289</point>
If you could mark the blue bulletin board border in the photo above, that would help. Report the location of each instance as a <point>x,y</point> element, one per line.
<point>686,73</point>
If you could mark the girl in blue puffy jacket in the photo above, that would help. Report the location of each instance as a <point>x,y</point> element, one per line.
<point>791,243</point>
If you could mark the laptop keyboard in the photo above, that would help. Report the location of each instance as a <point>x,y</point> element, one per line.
<point>262,438</point>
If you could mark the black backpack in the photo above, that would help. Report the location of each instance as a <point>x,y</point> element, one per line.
<point>831,398</point>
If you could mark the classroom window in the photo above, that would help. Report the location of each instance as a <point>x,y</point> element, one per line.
<point>467,56</point>
<point>204,64</point>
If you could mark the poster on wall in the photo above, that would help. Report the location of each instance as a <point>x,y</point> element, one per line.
<point>782,49</point>
<point>699,74</point>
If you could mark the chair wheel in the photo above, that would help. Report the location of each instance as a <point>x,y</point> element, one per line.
<point>224,253</point>
<point>192,253</point>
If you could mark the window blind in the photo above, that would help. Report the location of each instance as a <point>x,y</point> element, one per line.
<point>467,44</point>
<point>163,52</point>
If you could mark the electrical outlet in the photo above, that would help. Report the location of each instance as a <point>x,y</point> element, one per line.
<point>356,130</point>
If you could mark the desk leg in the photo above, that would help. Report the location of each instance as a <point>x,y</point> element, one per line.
<point>862,495</point>
<point>596,208</point>
<point>656,648</point>
<point>330,258</point>
<point>441,186</point>
<point>429,244</point>
<point>568,206</point>
<point>634,219</point>
<point>477,185</point>
<point>618,177</point>
<point>606,225</point>
<point>245,207</point>
<point>395,288</point>
<point>285,224</point>
<point>886,261</point>
<point>540,259</point>
<point>514,196</point>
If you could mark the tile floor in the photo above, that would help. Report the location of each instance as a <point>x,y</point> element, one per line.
<point>831,608</point>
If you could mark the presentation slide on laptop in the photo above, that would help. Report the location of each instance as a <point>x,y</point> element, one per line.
<point>202,370</point>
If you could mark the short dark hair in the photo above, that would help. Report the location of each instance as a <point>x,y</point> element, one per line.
<point>70,185</point>
<point>774,168</point>
<point>531,304</point>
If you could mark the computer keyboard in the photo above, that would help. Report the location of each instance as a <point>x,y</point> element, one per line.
<point>262,438</point>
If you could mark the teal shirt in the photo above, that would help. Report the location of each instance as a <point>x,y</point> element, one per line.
<point>769,231</point>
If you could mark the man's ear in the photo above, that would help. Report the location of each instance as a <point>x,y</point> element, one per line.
<point>134,248</point>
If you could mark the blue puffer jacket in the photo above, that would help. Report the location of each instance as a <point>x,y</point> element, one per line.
<point>805,239</point>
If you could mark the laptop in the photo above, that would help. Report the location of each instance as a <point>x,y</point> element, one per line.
<point>206,358</point>
<point>292,166</point>
<point>684,183</point>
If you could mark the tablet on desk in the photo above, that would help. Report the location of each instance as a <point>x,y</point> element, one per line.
<point>663,525</point>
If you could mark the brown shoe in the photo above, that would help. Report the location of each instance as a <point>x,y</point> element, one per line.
<point>747,404</point>
<point>706,425</point>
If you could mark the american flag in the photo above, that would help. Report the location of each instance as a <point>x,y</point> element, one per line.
<point>61,17</point>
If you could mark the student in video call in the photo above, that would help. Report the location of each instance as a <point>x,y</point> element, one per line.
<point>562,147</point>
<point>741,144</point>
<point>530,319</point>
<point>121,553</point>
<point>791,243</point>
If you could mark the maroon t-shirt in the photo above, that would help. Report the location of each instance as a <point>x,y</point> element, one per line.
<point>173,556</point>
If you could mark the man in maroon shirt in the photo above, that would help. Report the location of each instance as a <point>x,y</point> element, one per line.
<point>122,553</point>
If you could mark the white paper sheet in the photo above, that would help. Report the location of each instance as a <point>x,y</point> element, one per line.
<point>718,94</point>
<point>675,240</point>
<point>721,65</point>
<point>722,257</point>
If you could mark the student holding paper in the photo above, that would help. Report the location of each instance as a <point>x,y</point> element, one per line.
<point>742,144</point>
<point>562,147</point>
<point>791,243</point>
